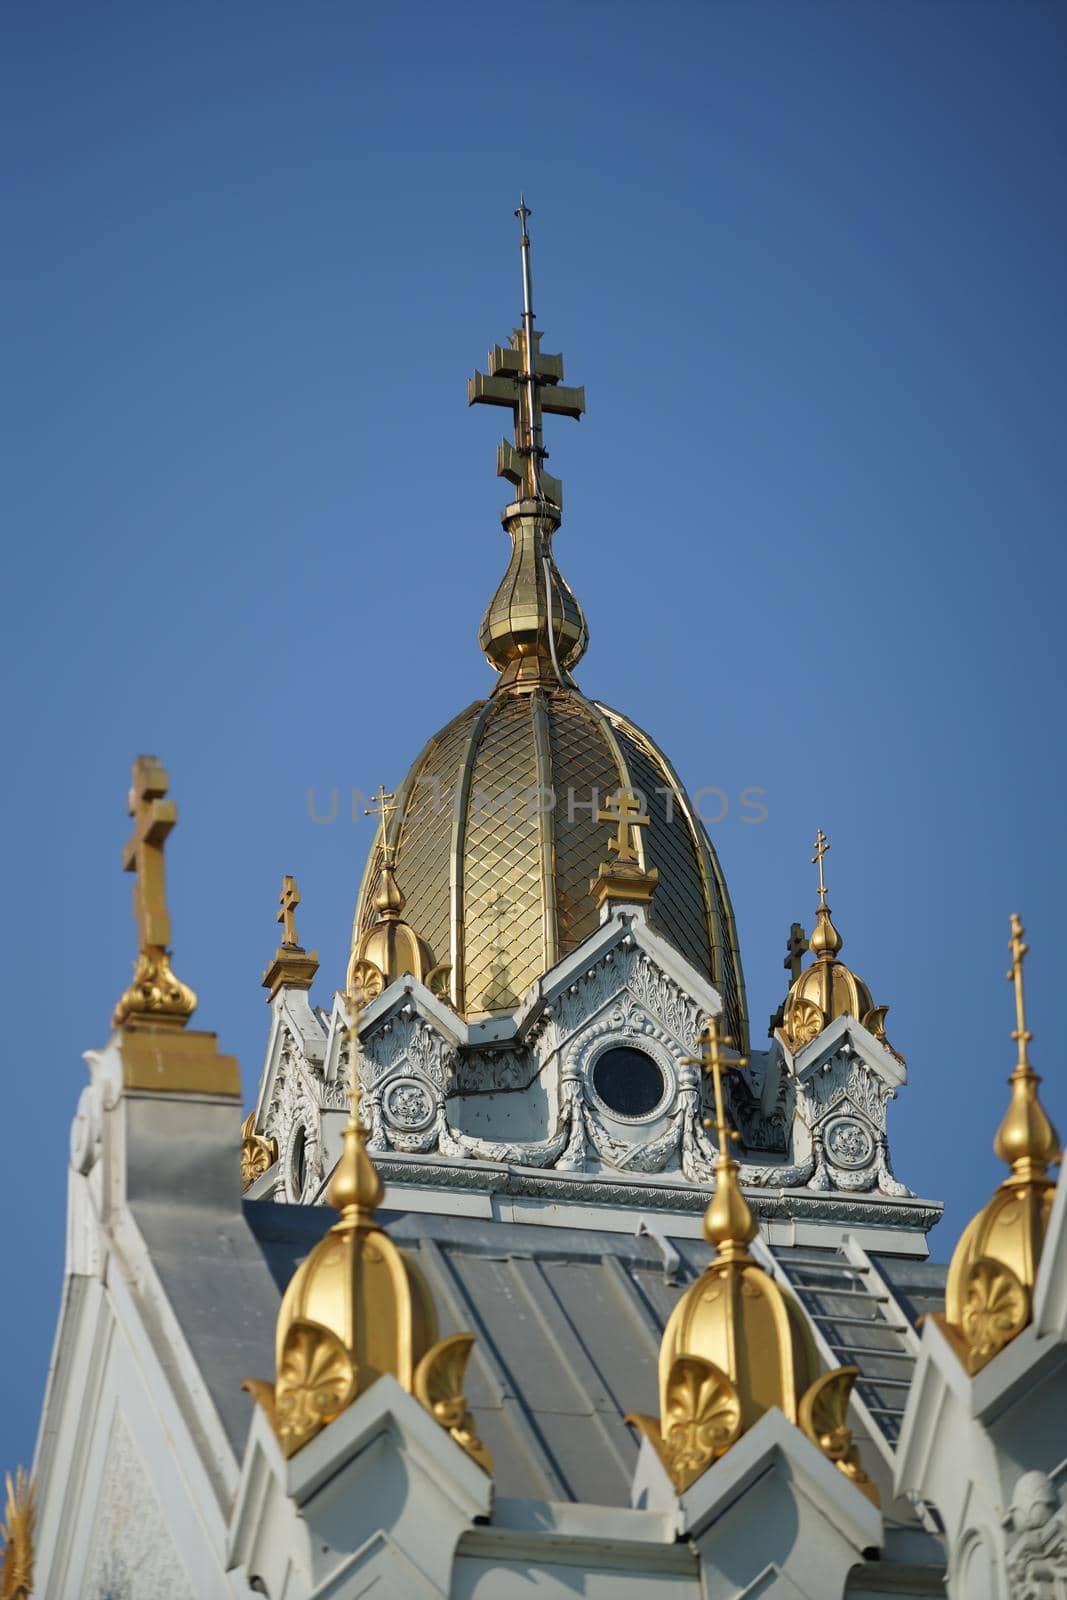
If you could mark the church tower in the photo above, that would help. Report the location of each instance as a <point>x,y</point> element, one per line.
<point>542,934</point>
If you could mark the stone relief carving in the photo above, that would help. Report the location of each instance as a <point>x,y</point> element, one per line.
<point>133,1556</point>
<point>1037,1559</point>
<point>844,1107</point>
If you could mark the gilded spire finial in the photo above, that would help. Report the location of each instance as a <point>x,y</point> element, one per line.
<point>991,1277</point>
<point>728,1221</point>
<point>355,1189</point>
<point>626,811</point>
<point>736,1343</point>
<point>288,901</point>
<point>825,939</point>
<point>292,967</point>
<point>388,900</point>
<point>156,998</point>
<point>358,1307</point>
<point>624,881</point>
<point>1026,1139</point>
<point>534,630</point>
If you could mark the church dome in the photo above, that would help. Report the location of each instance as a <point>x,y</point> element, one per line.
<point>488,853</point>
<point>495,840</point>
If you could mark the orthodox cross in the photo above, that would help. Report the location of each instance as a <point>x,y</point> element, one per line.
<point>530,383</point>
<point>382,805</point>
<point>154,817</point>
<point>288,900</point>
<point>625,811</point>
<point>1015,975</point>
<point>795,947</point>
<point>710,1060</point>
<point>822,844</point>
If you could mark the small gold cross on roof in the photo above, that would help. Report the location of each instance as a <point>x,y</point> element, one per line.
<point>822,844</point>
<point>1015,975</point>
<point>796,945</point>
<point>154,817</point>
<point>382,805</point>
<point>625,811</point>
<point>711,1060</point>
<point>288,900</point>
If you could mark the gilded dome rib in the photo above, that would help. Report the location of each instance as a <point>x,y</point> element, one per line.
<point>459,820</point>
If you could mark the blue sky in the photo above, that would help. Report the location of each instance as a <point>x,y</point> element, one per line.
<point>807,260</point>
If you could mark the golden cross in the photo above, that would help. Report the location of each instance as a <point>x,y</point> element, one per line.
<point>1015,974</point>
<point>289,899</point>
<point>154,817</point>
<point>796,945</point>
<point>530,383</point>
<point>382,805</point>
<point>822,844</point>
<point>625,811</point>
<point>710,1060</point>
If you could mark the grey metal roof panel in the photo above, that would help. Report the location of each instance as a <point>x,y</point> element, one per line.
<point>918,1286</point>
<point>567,1325</point>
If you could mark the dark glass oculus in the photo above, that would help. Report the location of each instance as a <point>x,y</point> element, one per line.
<point>628,1081</point>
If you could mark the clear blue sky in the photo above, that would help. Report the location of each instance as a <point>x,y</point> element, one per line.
<point>807,259</point>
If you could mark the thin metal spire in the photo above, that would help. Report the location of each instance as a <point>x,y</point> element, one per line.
<point>533,417</point>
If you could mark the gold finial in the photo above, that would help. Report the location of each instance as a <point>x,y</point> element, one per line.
<point>989,1290</point>
<point>1026,1139</point>
<point>736,1343</point>
<point>292,967</point>
<point>388,901</point>
<point>156,998</point>
<point>825,939</point>
<point>288,900</point>
<point>358,1307</point>
<point>390,948</point>
<point>623,881</point>
<point>625,811</point>
<point>795,947</point>
<point>822,844</point>
<point>728,1221</point>
<point>827,989</point>
<point>356,1189</point>
<point>16,1539</point>
<point>534,639</point>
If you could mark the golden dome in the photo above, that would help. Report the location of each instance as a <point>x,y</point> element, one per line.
<point>827,988</point>
<point>994,1266</point>
<point>495,838</point>
<point>737,1344</point>
<point>496,878</point>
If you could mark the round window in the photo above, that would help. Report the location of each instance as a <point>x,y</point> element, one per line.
<point>628,1081</point>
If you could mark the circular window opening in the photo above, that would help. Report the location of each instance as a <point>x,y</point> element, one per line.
<point>629,1082</point>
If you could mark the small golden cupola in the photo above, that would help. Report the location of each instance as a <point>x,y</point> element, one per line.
<point>827,988</point>
<point>989,1290</point>
<point>356,1308</point>
<point>388,947</point>
<point>737,1343</point>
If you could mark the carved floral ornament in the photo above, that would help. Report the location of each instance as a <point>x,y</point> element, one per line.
<point>737,1343</point>
<point>358,1307</point>
<point>258,1154</point>
<point>16,1537</point>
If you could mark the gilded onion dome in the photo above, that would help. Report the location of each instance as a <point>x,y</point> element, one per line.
<point>495,836</point>
<point>357,1308</point>
<point>993,1270</point>
<point>827,988</point>
<point>737,1343</point>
